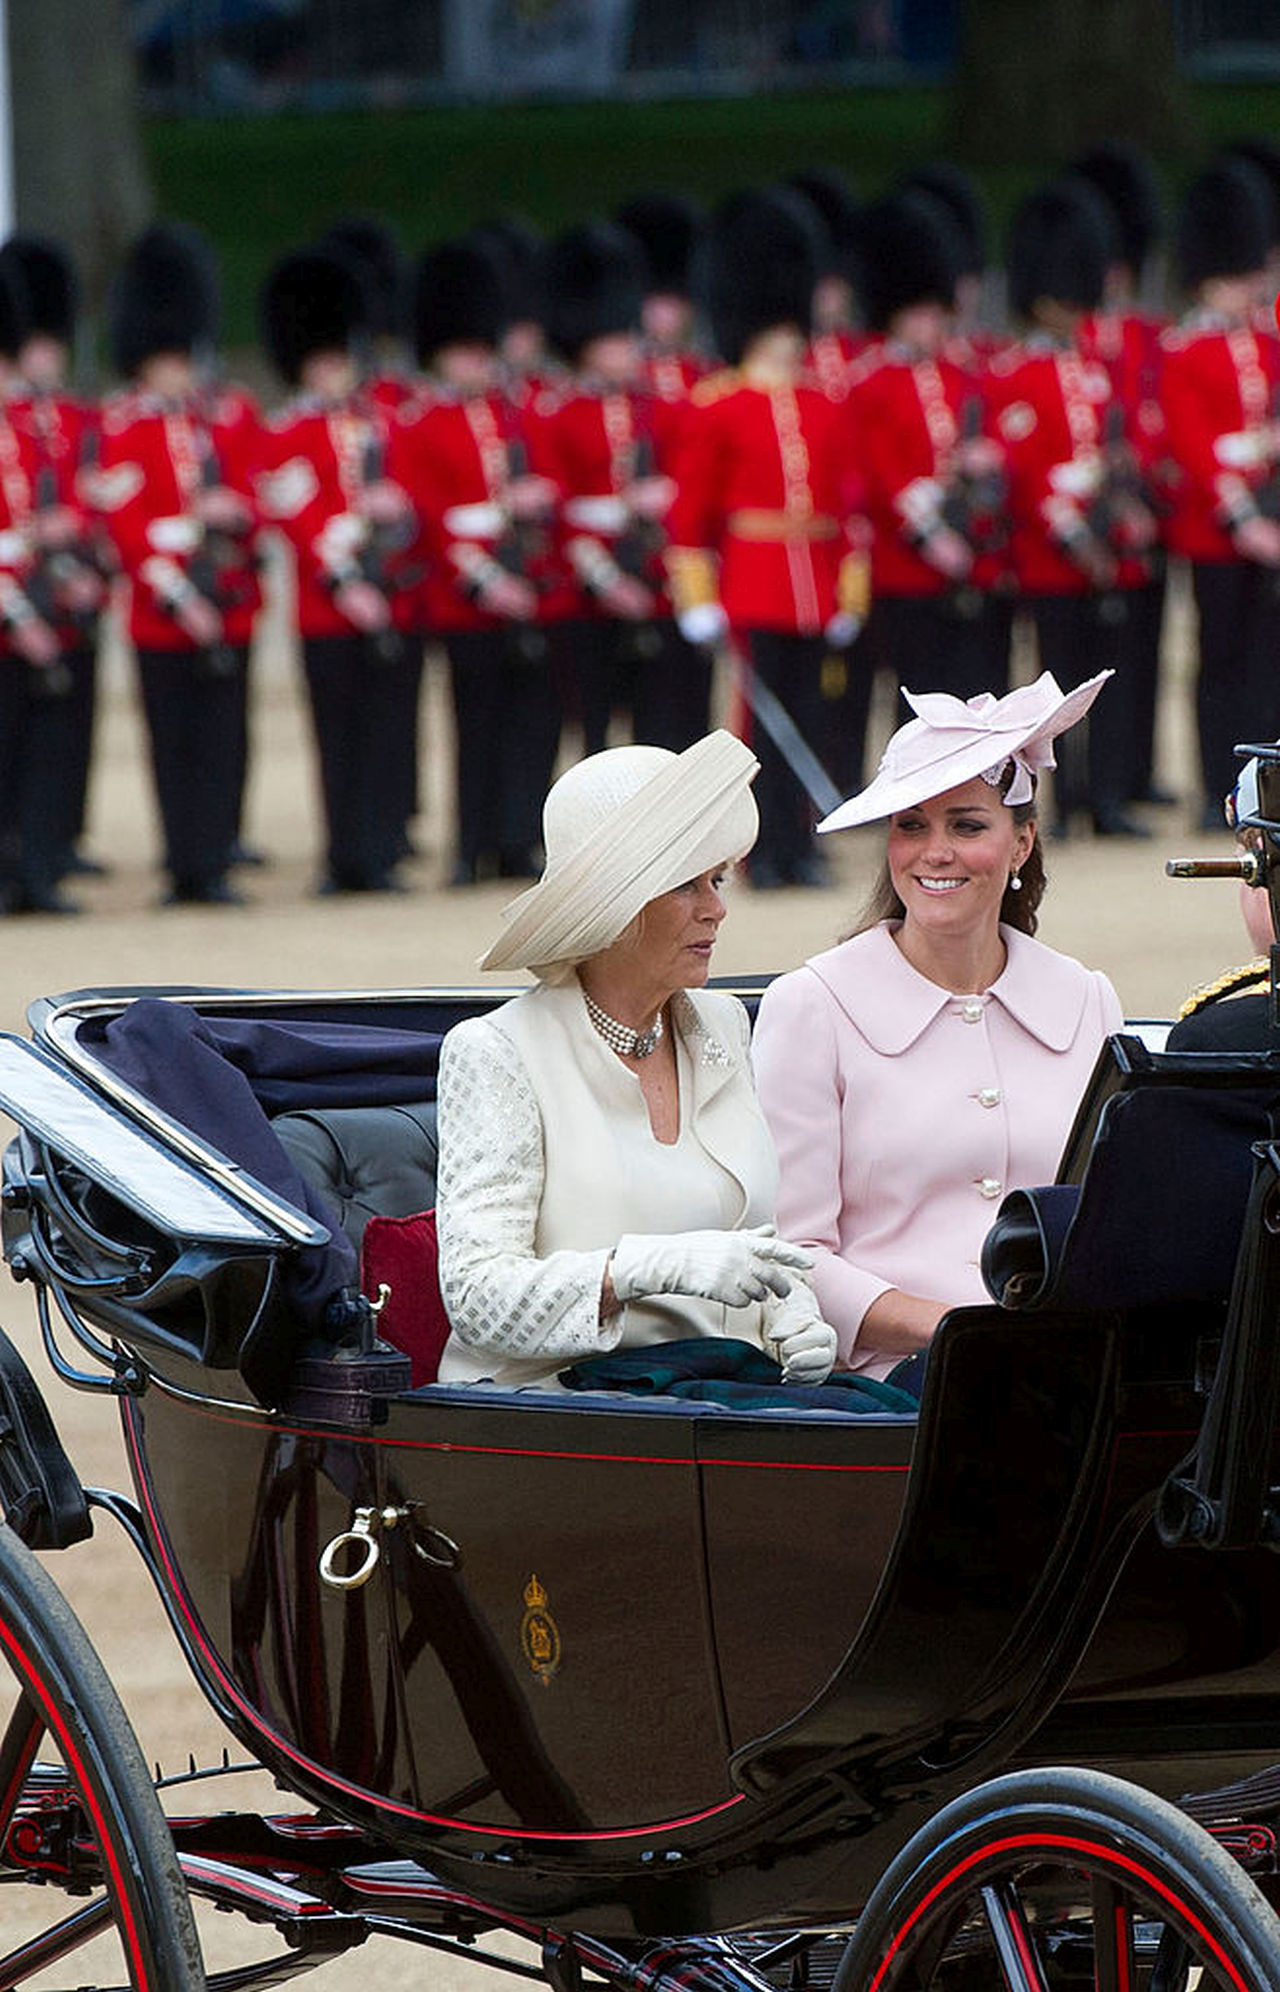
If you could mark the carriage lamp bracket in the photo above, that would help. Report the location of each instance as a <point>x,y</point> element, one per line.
<point>432,1545</point>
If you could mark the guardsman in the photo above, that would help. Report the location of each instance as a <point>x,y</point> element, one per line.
<point>487,525</point>
<point>758,543</point>
<point>841,343</point>
<point>60,438</point>
<point>1219,375</point>
<point>1068,542</point>
<point>1124,337</point>
<point>606,442</point>
<point>369,246</point>
<point>669,230</point>
<point>175,492</point>
<point>329,485</point>
<point>33,683</point>
<point>933,472</point>
<point>975,339</point>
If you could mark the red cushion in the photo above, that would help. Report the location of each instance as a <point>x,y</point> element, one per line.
<point>402,1253</point>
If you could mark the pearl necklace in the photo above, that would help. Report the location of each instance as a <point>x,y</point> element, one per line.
<point>620,1037</point>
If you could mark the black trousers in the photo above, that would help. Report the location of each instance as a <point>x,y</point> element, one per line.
<point>1238,684</point>
<point>791,666</point>
<point>356,708</point>
<point>1142,665</point>
<point>194,710</point>
<point>507,718</point>
<point>958,642</point>
<point>36,794</point>
<point>1078,636</point>
<point>82,663</point>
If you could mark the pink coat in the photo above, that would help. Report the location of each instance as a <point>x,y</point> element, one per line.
<point>902,1114</point>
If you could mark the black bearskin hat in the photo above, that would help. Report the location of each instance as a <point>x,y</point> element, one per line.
<point>517,248</point>
<point>458,298</point>
<point>764,252</point>
<point>1060,242</point>
<point>950,184</point>
<point>165,297</point>
<point>1263,155</point>
<point>370,247</point>
<point>1126,179</point>
<point>1225,224</point>
<point>668,229</point>
<point>312,302</point>
<point>50,280</point>
<point>15,321</point>
<point>594,278</point>
<point>841,218</point>
<point>911,255</point>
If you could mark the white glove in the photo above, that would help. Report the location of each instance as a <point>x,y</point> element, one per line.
<point>736,1267</point>
<point>705,622</point>
<point>841,630</point>
<point>799,1339</point>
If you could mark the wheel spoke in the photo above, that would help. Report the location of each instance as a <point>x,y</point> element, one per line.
<point>1011,1935</point>
<point>1171,1971</point>
<point>58,1941</point>
<point>18,1747</point>
<point>1113,1955</point>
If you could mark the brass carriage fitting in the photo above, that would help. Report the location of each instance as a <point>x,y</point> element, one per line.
<point>432,1545</point>
<point>363,1532</point>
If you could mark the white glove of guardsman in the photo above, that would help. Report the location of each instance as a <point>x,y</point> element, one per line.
<point>798,1338</point>
<point>736,1267</point>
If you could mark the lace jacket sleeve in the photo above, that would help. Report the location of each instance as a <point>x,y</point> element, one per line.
<point>498,1293</point>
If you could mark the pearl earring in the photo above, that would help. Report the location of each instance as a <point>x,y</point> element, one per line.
<point>1015,883</point>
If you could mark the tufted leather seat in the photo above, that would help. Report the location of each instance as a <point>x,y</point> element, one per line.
<point>370,1161</point>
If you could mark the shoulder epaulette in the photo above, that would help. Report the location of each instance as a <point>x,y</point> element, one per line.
<point>1229,984</point>
<point>726,380</point>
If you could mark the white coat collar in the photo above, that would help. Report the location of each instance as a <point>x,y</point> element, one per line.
<point>892,1004</point>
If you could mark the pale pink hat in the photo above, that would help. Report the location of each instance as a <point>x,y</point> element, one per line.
<point>952,740</point>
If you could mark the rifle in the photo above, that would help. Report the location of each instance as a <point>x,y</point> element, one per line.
<point>383,542</point>
<point>523,543</point>
<point>217,566</point>
<point>641,540</point>
<point>974,501</point>
<point>1121,494</point>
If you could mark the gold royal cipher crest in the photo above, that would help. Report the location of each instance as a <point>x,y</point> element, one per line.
<point>539,1633</point>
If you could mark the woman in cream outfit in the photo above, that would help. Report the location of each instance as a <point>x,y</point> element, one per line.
<point>934,1060</point>
<point>606,1177</point>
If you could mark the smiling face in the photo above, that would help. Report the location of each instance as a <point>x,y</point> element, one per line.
<point>950,859</point>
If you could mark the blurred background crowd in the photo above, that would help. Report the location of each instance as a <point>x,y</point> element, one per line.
<point>770,451</point>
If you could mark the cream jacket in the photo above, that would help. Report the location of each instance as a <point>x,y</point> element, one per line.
<point>902,1114</point>
<point>547,1159</point>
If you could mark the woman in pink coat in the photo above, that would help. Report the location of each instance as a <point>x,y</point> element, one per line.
<point>934,1060</point>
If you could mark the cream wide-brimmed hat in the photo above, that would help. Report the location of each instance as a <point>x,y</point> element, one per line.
<point>952,740</point>
<point>620,828</point>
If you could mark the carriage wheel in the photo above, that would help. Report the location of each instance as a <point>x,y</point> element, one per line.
<point>78,1813</point>
<point>1045,1880</point>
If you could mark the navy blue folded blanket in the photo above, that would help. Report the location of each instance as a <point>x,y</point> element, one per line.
<point>222,1077</point>
<point>717,1369</point>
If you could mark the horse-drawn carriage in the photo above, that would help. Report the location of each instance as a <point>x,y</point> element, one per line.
<point>681,1694</point>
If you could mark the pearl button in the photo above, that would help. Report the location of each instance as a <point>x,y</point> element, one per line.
<point>990,1186</point>
<point>989,1096</point>
<point>972,1010</point>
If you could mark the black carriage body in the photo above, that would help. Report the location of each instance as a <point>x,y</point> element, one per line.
<point>658,1668</point>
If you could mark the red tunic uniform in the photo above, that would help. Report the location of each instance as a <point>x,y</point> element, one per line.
<point>594,445</point>
<point>1218,390</point>
<point>155,460</point>
<point>762,492</point>
<point>908,417</point>
<point>1051,410</point>
<point>318,460</point>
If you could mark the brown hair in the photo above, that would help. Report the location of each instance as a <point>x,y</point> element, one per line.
<point>1017,909</point>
